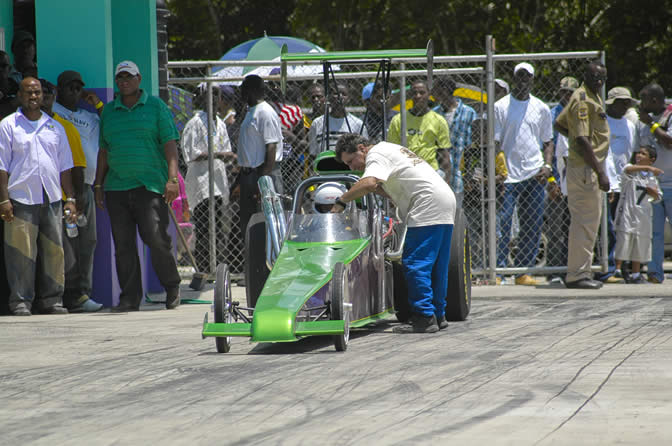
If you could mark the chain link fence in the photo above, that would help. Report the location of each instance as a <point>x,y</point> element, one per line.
<point>530,227</point>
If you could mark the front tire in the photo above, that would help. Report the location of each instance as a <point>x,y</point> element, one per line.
<point>222,300</point>
<point>337,306</point>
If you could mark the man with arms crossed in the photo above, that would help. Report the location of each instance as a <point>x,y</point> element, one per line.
<point>426,204</point>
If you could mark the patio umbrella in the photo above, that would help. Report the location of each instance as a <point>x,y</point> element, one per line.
<point>267,48</point>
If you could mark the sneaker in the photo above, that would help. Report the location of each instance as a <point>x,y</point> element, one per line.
<point>653,279</point>
<point>498,280</point>
<point>614,279</point>
<point>557,280</point>
<point>418,324</point>
<point>54,309</point>
<point>87,305</point>
<point>526,280</point>
<point>124,308</point>
<point>21,310</point>
<point>640,280</point>
<point>442,322</point>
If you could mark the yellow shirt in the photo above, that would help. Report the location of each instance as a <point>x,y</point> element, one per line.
<point>584,116</point>
<point>424,135</point>
<point>75,141</point>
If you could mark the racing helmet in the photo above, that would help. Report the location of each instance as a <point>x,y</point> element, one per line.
<point>326,195</point>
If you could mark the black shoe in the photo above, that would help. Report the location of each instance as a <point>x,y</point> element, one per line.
<point>418,324</point>
<point>640,280</point>
<point>442,322</point>
<point>21,311</point>
<point>54,309</point>
<point>124,308</point>
<point>173,299</point>
<point>585,284</point>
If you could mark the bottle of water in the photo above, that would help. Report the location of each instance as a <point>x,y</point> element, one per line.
<point>70,228</point>
<point>81,220</point>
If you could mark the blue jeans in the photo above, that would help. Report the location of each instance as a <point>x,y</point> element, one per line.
<point>425,261</point>
<point>529,196</point>
<point>661,211</point>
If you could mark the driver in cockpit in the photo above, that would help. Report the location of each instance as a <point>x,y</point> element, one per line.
<point>325,196</point>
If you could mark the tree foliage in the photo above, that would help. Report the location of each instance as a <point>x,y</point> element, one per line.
<point>633,36</point>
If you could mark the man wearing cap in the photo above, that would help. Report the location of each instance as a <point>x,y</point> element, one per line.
<point>459,117</point>
<point>136,177</point>
<point>623,141</point>
<point>373,118</point>
<point>524,132</point>
<point>79,250</point>
<point>584,122</point>
<point>556,217</point>
<point>23,49</point>
<point>35,163</point>
<point>655,129</point>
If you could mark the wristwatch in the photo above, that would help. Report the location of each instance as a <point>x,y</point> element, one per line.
<point>548,166</point>
<point>173,180</point>
<point>70,200</point>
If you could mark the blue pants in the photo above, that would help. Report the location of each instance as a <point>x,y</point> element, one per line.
<point>425,261</point>
<point>662,211</point>
<point>529,196</point>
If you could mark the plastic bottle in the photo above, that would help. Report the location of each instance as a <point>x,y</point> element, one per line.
<point>70,228</point>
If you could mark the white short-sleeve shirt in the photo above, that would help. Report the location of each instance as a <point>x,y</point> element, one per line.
<point>88,126</point>
<point>421,195</point>
<point>261,126</point>
<point>522,127</point>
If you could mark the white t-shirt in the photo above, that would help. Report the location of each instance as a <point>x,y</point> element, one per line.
<point>561,153</point>
<point>194,143</point>
<point>522,127</point>
<point>261,126</point>
<point>88,126</point>
<point>634,212</point>
<point>422,196</point>
<point>622,142</point>
<point>337,128</point>
<point>664,160</point>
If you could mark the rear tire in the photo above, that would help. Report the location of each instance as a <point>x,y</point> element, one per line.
<point>222,300</point>
<point>337,308</point>
<point>256,271</point>
<point>458,297</point>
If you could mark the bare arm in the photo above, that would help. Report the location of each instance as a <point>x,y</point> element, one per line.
<point>358,190</point>
<point>630,168</point>
<point>101,171</point>
<point>6,208</point>
<point>588,154</point>
<point>66,184</point>
<point>172,189</point>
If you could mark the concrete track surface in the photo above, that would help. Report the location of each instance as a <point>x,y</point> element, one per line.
<point>532,365</point>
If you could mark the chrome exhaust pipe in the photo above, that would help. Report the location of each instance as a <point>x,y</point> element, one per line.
<point>276,225</point>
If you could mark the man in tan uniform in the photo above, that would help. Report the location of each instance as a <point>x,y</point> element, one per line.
<point>584,122</point>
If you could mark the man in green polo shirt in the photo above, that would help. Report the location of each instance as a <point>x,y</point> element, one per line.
<point>137,171</point>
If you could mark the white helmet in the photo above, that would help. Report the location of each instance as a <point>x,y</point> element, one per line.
<point>327,194</point>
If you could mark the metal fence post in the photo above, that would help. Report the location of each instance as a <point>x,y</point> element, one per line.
<point>211,176</point>
<point>490,85</point>
<point>402,104</point>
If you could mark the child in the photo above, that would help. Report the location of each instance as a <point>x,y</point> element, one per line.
<point>639,187</point>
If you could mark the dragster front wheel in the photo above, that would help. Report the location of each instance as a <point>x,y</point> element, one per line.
<point>338,308</point>
<point>222,300</point>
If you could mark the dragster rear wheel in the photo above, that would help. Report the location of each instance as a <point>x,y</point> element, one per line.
<point>338,308</point>
<point>256,271</point>
<point>458,297</point>
<point>222,300</point>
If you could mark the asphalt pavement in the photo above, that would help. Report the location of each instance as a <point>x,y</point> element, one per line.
<point>531,365</point>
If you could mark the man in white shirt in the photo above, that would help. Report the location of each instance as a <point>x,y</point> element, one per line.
<point>35,163</point>
<point>524,131</point>
<point>259,147</point>
<point>194,145</point>
<point>426,203</point>
<point>340,123</point>
<point>80,250</point>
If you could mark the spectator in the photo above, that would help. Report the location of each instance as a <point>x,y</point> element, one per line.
<point>23,49</point>
<point>622,141</point>
<point>134,169</point>
<point>8,100</point>
<point>317,100</point>
<point>584,123</point>
<point>259,147</point>
<point>556,216</point>
<point>30,203</point>
<point>501,89</point>
<point>654,129</point>
<point>373,118</point>
<point>340,123</point>
<point>427,132</point>
<point>427,206</point>
<point>633,217</point>
<point>80,250</point>
<point>194,145</point>
<point>459,117</point>
<point>523,128</point>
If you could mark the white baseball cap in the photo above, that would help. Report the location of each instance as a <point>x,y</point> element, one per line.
<point>524,66</point>
<point>127,67</point>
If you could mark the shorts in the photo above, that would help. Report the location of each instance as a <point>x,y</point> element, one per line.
<point>633,247</point>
